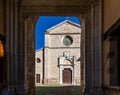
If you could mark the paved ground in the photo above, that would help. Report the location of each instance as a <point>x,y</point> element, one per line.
<point>64,90</point>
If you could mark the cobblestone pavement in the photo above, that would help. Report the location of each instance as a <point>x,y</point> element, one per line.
<point>64,90</point>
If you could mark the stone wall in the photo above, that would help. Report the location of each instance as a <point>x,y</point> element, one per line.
<point>39,65</point>
<point>54,48</point>
<point>52,71</point>
<point>55,35</point>
<point>111,13</point>
<point>57,40</point>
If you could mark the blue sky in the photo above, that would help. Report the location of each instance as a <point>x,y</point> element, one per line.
<point>45,22</point>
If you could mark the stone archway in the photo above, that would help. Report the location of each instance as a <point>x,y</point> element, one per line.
<point>20,21</point>
<point>29,24</point>
<point>29,19</point>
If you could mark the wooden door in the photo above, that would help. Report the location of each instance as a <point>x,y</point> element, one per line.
<point>67,76</point>
<point>37,78</point>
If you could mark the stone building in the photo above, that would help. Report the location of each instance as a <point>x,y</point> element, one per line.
<point>39,58</point>
<point>61,55</point>
<point>99,48</point>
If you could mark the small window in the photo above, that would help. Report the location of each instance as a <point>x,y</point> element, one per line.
<point>38,60</point>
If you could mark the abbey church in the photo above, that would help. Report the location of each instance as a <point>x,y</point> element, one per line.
<point>59,61</point>
<point>98,57</point>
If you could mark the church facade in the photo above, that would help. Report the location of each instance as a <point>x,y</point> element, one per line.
<point>59,61</point>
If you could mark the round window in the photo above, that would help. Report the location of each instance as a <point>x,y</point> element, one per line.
<point>38,60</point>
<point>67,40</point>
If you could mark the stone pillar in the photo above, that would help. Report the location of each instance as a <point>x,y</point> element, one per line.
<point>29,34</point>
<point>20,52</point>
<point>14,47</point>
<point>93,70</point>
<point>83,40</point>
<point>46,64</point>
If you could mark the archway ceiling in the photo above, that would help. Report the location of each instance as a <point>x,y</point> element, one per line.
<point>56,6</point>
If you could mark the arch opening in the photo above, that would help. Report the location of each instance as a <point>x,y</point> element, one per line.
<point>49,31</point>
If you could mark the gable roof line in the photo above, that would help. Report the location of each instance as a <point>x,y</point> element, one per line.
<point>65,21</point>
<point>39,49</point>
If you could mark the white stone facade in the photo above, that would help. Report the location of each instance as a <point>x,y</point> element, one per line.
<point>39,66</point>
<point>62,44</point>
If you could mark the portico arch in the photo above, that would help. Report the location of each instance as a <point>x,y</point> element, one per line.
<point>29,20</point>
<point>29,24</point>
<point>20,24</point>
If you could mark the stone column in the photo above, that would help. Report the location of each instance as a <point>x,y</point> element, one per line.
<point>29,34</point>
<point>82,19</point>
<point>93,70</point>
<point>14,45</point>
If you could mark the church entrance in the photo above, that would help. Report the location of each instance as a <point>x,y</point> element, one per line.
<point>67,76</point>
